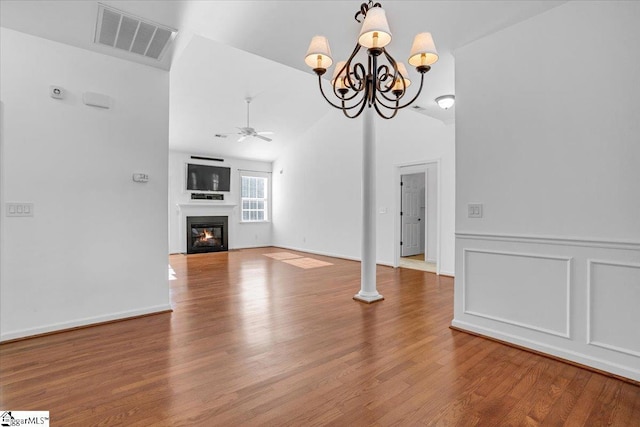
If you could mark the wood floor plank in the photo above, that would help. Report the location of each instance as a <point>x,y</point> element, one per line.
<point>255,341</point>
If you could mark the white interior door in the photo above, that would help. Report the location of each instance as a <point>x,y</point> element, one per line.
<point>412,186</point>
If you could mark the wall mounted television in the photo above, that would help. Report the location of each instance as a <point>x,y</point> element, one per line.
<point>208,178</point>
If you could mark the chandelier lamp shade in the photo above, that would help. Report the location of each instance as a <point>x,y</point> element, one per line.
<point>319,55</point>
<point>376,81</point>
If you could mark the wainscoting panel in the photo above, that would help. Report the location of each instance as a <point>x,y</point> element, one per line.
<point>573,298</point>
<point>614,306</point>
<point>530,291</point>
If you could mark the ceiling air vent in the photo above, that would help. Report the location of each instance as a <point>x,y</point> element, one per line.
<point>127,32</point>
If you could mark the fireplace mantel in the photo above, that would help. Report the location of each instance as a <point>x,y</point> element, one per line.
<point>205,205</point>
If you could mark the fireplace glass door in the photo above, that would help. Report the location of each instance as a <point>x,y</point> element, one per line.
<point>206,234</point>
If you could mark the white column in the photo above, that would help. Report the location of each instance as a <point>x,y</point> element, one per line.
<point>368,292</point>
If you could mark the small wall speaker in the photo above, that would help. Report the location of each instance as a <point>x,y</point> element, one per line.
<point>96,100</point>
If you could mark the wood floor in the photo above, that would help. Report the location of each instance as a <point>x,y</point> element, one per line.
<point>254,340</point>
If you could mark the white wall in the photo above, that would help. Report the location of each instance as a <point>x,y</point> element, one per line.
<point>241,235</point>
<point>547,139</point>
<point>96,247</point>
<point>317,205</point>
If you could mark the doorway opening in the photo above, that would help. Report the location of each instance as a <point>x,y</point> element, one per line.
<point>418,223</point>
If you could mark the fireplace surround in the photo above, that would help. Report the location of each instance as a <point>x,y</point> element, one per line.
<point>207,234</point>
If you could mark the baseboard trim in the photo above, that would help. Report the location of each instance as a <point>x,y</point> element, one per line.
<point>83,323</point>
<point>447,274</point>
<point>616,371</point>
<point>321,253</point>
<point>332,255</point>
<point>249,247</point>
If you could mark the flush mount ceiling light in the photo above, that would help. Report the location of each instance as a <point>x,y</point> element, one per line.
<point>446,101</point>
<point>371,81</point>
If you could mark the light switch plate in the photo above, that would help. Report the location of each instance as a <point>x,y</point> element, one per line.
<point>474,210</point>
<point>141,177</point>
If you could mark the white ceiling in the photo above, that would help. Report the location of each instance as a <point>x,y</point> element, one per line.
<point>228,50</point>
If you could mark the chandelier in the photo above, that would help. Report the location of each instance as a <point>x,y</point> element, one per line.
<point>377,81</point>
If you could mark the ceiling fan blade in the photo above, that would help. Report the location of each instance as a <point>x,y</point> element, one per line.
<point>262,137</point>
<point>265,132</point>
<point>242,138</point>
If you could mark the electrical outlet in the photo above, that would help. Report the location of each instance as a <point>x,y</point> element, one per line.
<point>474,210</point>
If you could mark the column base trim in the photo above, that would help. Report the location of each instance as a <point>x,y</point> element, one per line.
<point>367,298</point>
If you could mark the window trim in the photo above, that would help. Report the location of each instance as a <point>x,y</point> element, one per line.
<point>267,199</point>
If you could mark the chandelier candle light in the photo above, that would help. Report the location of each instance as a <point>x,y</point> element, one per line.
<point>360,85</point>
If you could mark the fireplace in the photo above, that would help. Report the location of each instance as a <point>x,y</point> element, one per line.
<point>207,234</point>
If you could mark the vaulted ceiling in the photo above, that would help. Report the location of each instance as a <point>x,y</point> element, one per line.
<point>226,51</point>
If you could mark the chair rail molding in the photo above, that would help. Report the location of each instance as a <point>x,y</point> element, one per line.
<point>552,240</point>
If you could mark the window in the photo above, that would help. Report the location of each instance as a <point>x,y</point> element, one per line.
<point>254,198</point>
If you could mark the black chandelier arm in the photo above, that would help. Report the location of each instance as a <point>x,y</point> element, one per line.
<point>325,96</point>
<point>350,85</point>
<point>416,95</point>
<point>388,98</point>
<point>381,114</point>
<point>362,103</point>
<point>382,74</point>
<point>341,92</point>
<point>343,107</point>
<point>381,101</point>
<point>364,8</point>
<point>394,67</point>
<point>396,74</point>
<point>360,76</point>
<point>357,71</point>
<point>401,94</point>
<point>392,90</point>
<point>346,98</point>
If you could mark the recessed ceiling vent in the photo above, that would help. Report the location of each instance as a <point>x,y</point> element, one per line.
<point>127,32</point>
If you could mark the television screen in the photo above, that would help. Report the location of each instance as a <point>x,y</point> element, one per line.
<point>208,178</point>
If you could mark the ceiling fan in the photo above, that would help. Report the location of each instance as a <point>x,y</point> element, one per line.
<point>248,131</point>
